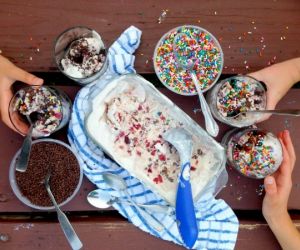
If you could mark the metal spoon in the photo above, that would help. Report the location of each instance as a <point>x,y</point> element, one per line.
<point>65,224</point>
<point>185,58</point>
<point>291,112</point>
<point>185,211</point>
<point>22,161</point>
<point>101,199</point>
<point>117,183</point>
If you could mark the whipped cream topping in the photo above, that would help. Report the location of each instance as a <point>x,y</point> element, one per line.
<point>84,57</point>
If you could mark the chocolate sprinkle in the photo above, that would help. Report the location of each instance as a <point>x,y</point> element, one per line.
<point>64,178</point>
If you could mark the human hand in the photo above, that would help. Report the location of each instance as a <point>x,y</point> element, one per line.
<point>279,185</point>
<point>9,73</point>
<point>279,78</point>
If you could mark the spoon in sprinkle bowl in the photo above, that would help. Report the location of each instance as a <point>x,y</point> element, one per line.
<point>186,57</point>
<point>65,224</point>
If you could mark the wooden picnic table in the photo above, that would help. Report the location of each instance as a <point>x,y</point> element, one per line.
<point>253,34</point>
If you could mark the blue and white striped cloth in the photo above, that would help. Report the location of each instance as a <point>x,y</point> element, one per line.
<point>218,225</point>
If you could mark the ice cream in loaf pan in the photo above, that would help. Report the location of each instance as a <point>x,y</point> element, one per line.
<point>128,119</point>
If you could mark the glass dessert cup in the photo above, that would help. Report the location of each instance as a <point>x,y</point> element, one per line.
<point>237,94</point>
<point>252,152</point>
<point>177,79</point>
<point>85,57</point>
<point>48,108</point>
<point>22,197</point>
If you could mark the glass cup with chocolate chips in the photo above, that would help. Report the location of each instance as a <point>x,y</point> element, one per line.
<point>65,180</point>
<point>231,97</point>
<point>80,54</point>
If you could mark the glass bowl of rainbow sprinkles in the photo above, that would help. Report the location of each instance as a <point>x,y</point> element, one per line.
<point>46,108</point>
<point>209,64</point>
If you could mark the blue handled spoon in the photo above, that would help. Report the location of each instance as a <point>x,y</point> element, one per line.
<point>184,208</point>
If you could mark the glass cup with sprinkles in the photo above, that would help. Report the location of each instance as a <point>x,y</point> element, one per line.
<point>208,66</point>
<point>47,108</point>
<point>81,55</point>
<point>252,152</point>
<point>232,96</point>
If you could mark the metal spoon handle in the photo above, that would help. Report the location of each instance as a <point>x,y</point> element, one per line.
<point>292,112</point>
<point>210,124</point>
<point>65,224</point>
<point>22,162</point>
<point>155,224</point>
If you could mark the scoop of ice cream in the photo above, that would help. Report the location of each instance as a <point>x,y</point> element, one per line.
<point>84,57</point>
<point>238,95</point>
<point>255,153</point>
<point>46,106</point>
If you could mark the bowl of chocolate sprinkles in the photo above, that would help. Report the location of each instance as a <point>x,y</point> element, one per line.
<point>66,174</point>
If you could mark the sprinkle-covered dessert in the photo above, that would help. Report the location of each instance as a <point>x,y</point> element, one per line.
<point>254,153</point>
<point>41,106</point>
<point>208,57</point>
<point>84,57</point>
<point>235,95</point>
<point>128,122</point>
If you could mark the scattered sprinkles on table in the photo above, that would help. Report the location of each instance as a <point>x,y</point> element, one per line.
<point>209,60</point>
<point>255,153</point>
<point>44,107</point>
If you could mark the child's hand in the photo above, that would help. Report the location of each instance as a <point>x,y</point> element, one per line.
<point>9,73</point>
<point>279,78</point>
<point>278,186</point>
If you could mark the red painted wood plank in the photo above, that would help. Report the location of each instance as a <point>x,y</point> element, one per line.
<point>252,33</point>
<point>111,233</point>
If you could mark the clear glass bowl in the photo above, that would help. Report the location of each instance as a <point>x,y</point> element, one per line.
<point>62,47</point>
<point>48,108</point>
<point>179,80</point>
<point>252,152</point>
<point>25,200</point>
<point>220,98</point>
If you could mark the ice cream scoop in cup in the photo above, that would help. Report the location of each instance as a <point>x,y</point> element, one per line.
<point>186,55</point>
<point>47,107</point>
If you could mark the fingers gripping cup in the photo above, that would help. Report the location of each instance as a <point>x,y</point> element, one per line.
<point>231,97</point>
<point>253,152</point>
<point>80,54</point>
<point>47,108</point>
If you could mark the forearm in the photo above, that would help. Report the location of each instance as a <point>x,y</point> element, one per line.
<point>285,231</point>
<point>282,75</point>
<point>287,73</point>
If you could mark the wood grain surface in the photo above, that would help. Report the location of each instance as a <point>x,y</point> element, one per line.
<point>252,34</point>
